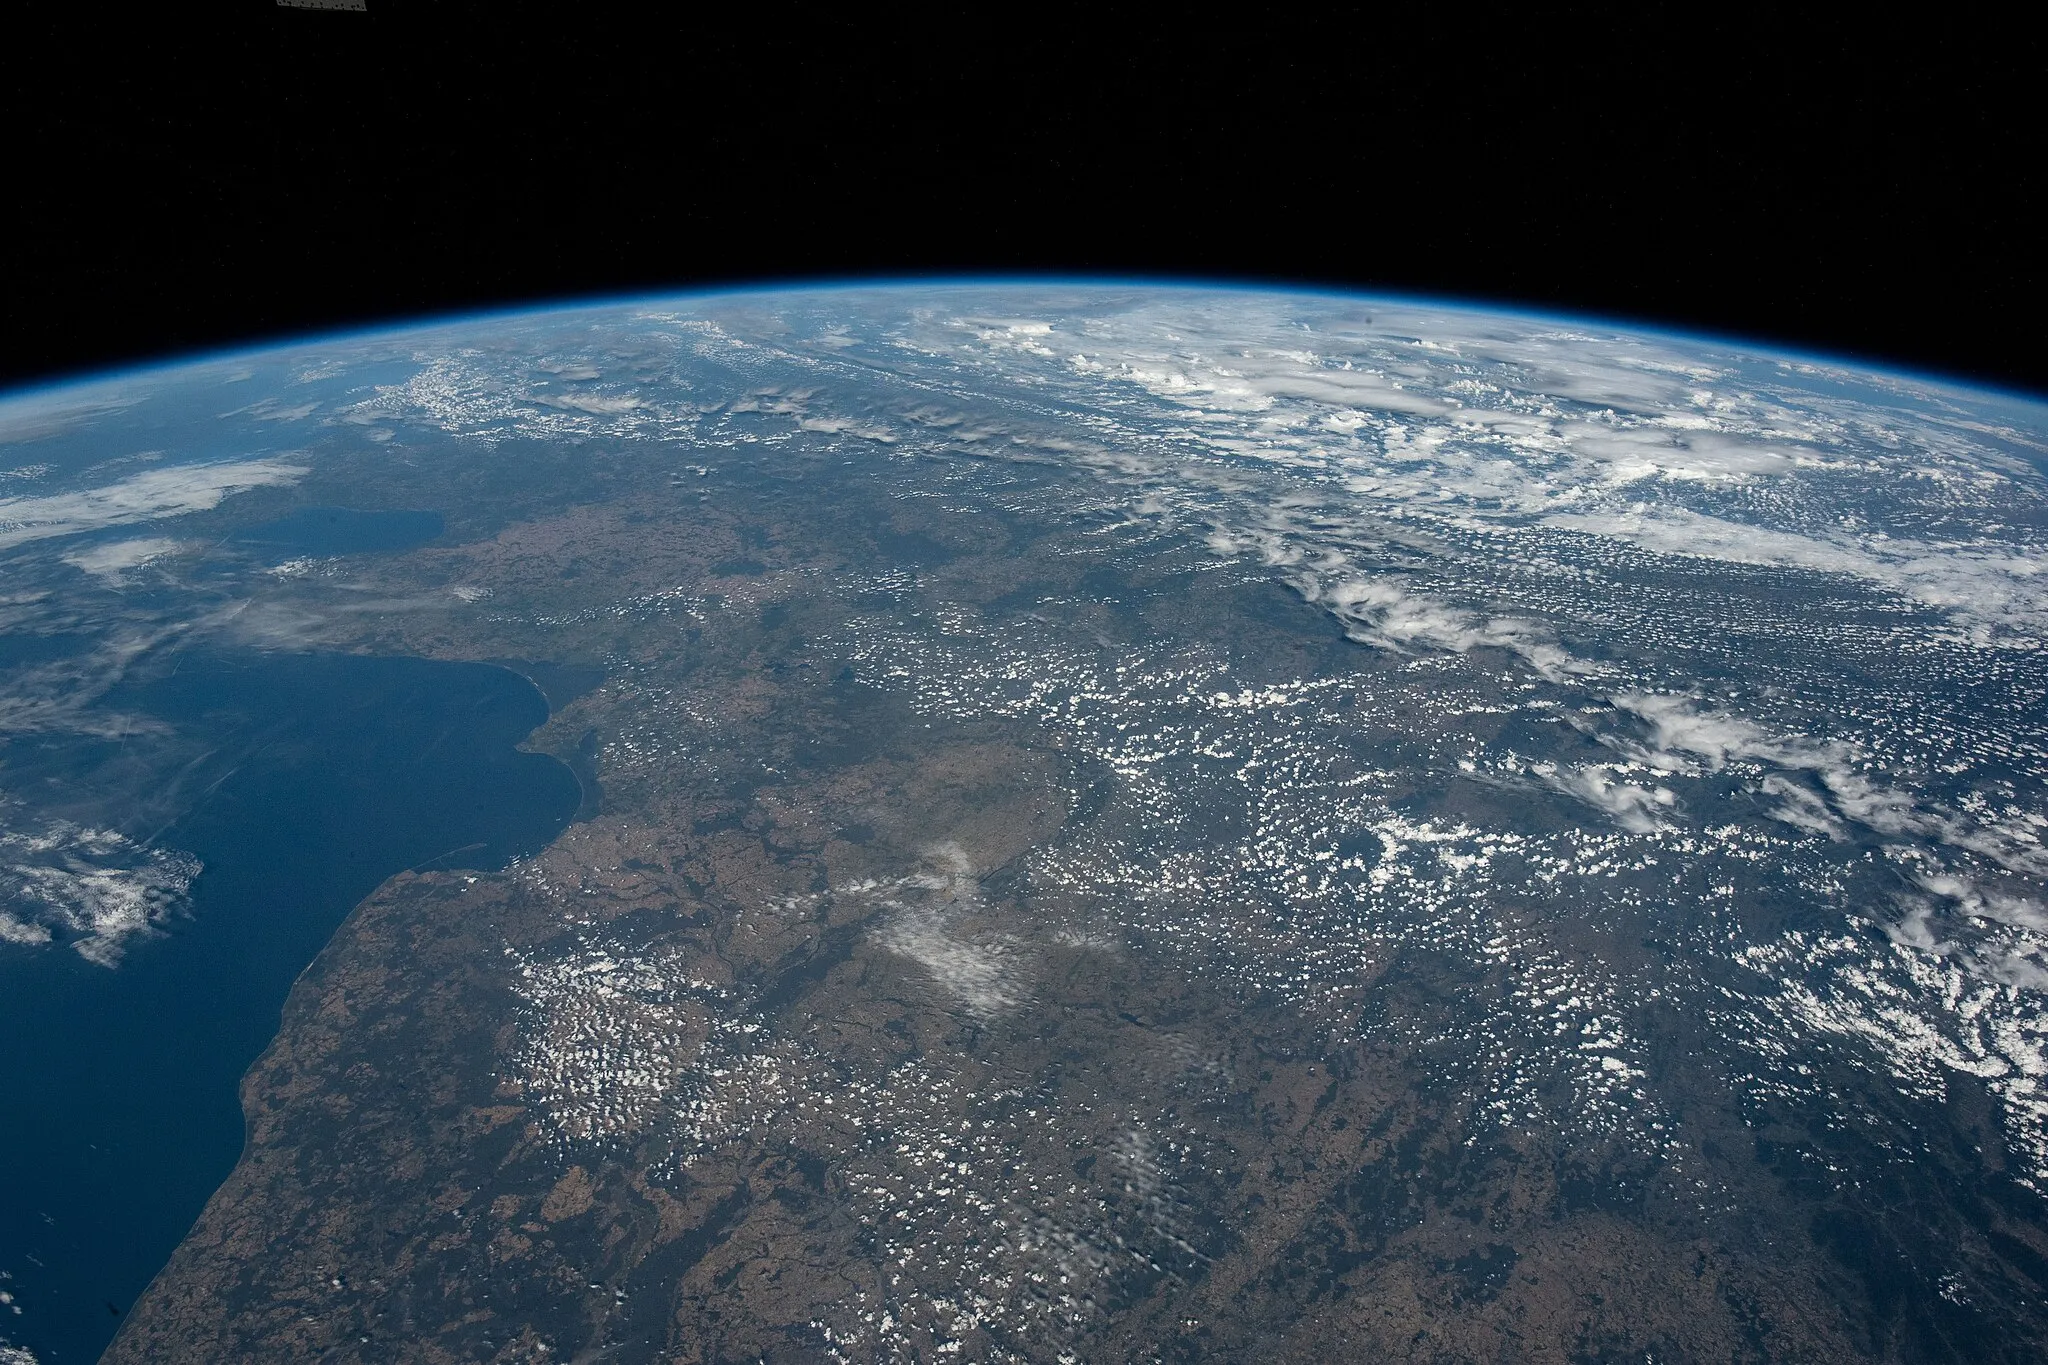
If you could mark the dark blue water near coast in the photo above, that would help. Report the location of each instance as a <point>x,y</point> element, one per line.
<point>343,531</point>
<point>119,1111</point>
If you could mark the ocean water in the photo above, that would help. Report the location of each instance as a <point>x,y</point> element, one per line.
<point>322,776</point>
<point>343,531</point>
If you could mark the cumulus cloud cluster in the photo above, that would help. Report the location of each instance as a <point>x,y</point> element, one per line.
<point>93,887</point>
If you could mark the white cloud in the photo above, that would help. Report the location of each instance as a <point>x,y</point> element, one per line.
<point>1635,808</point>
<point>1680,725</point>
<point>833,426</point>
<point>36,416</point>
<point>1685,735</point>
<point>95,887</point>
<point>2018,911</point>
<point>981,971</point>
<point>114,559</point>
<point>1482,422</point>
<point>981,975</point>
<point>595,404</point>
<point>170,491</point>
<point>1671,448</point>
<point>1378,611</point>
<point>1802,808</point>
<point>1999,586</point>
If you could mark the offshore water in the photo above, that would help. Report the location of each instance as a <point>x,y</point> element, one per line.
<point>343,530</point>
<point>324,775</point>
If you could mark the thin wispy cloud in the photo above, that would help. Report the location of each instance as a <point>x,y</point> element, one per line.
<point>154,494</point>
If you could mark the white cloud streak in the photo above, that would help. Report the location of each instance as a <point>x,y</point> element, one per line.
<point>169,491</point>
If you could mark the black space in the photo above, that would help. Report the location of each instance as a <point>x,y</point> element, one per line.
<point>207,175</point>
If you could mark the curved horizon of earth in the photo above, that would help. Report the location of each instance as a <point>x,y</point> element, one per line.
<point>1101,821</point>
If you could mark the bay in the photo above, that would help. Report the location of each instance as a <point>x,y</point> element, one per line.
<point>119,1107</point>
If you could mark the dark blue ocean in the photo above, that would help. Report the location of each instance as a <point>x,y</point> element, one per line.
<point>119,1112</point>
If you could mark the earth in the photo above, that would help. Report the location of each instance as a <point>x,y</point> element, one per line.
<point>1023,822</point>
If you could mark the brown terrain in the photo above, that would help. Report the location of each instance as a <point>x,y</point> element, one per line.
<point>838,1085</point>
